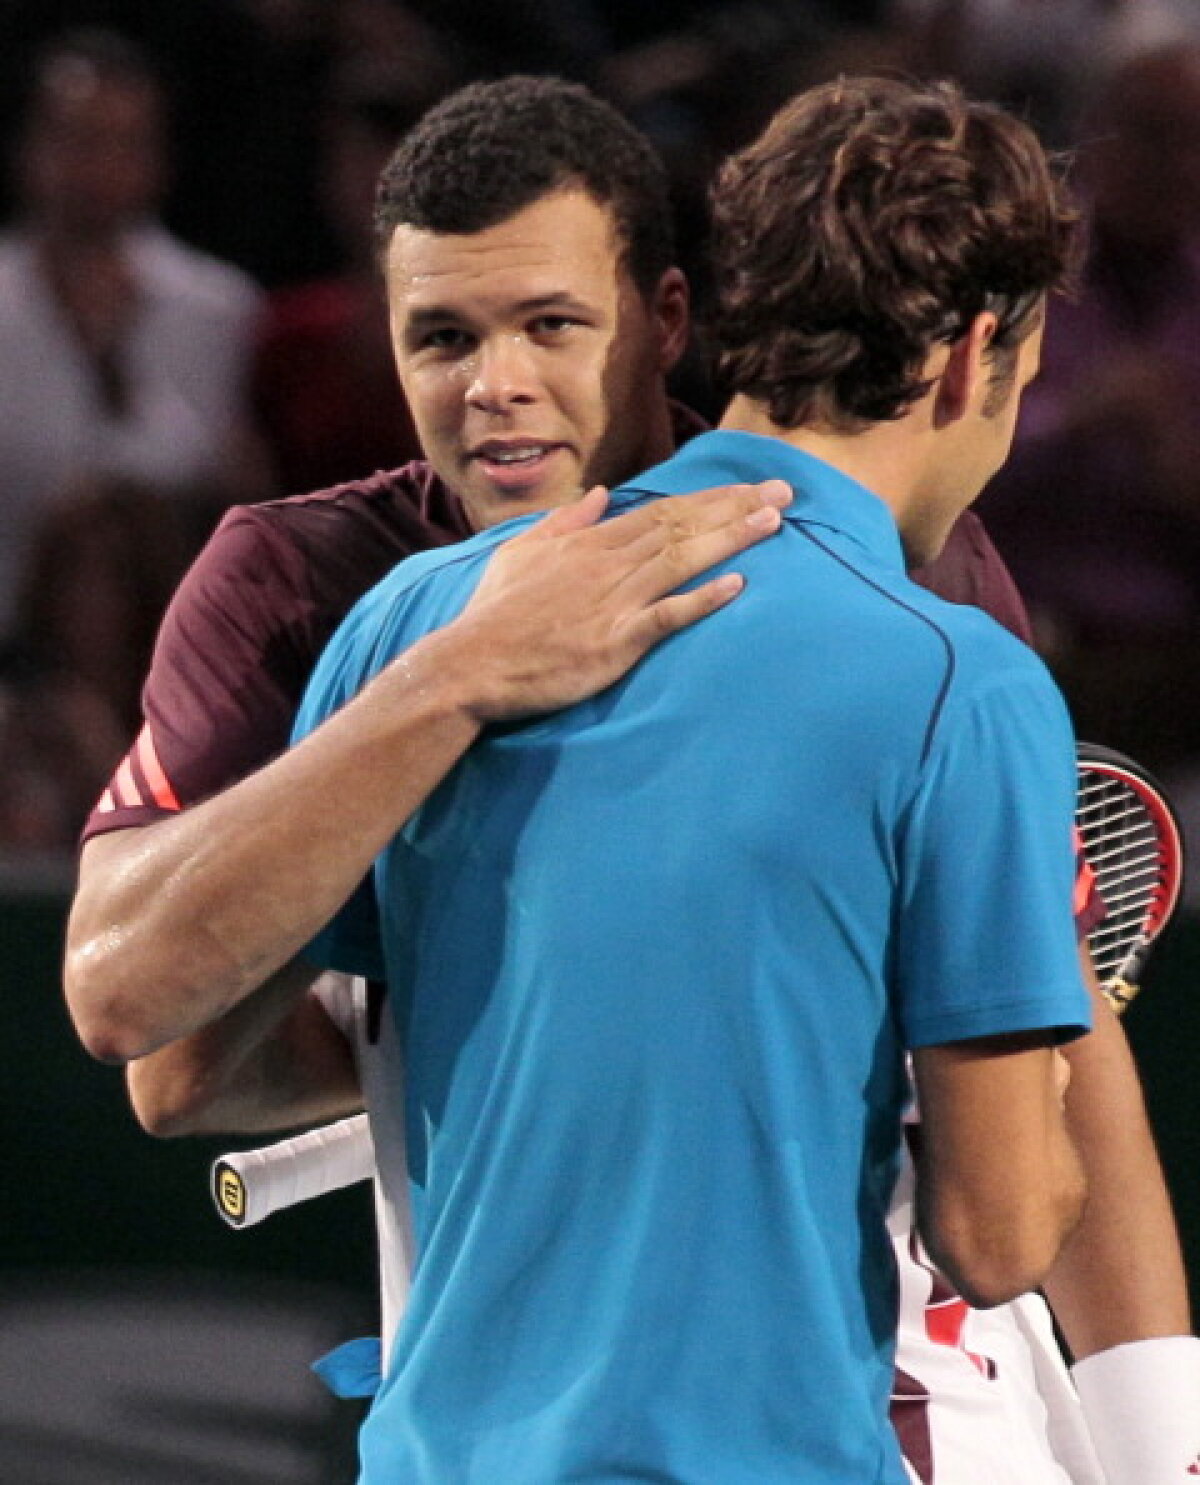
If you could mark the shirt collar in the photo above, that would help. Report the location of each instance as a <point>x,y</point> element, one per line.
<point>824,495</point>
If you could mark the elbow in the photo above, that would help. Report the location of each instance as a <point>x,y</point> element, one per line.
<point>166,1102</point>
<point>159,1120</point>
<point>109,1023</point>
<point>993,1261</point>
<point>166,1119</point>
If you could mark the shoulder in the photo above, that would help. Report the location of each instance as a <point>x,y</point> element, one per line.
<point>428,587</point>
<point>394,512</point>
<point>999,699</point>
<point>977,680</point>
<point>297,565</point>
<point>188,275</point>
<point>907,622</point>
<point>980,650</point>
<point>424,592</point>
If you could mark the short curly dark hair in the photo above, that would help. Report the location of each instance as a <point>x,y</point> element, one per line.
<point>491,149</point>
<point>873,219</point>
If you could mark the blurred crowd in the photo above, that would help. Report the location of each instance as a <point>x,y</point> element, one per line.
<point>190,316</point>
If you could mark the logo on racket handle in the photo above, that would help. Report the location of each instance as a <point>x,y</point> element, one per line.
<point>229,1193</point>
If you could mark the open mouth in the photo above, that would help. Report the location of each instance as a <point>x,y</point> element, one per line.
<point>514,464</point>
<point>522,454</point>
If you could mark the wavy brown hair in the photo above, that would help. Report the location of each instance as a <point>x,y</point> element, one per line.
<point>873,219</point>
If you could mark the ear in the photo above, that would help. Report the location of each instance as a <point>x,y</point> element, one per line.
<point>965,373</point>
<point>671,308</point>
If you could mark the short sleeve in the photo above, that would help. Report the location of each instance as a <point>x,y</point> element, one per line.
<point>224,679</point>
<point>985,939</point>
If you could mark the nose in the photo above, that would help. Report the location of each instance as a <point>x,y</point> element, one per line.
<point>503,374</point>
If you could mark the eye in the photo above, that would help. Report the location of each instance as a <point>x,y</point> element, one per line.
<point>444,339</point>
<point>552,325</point>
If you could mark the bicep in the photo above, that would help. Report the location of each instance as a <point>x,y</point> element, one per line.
<point>998,1183</point>
<point>985,1104</point>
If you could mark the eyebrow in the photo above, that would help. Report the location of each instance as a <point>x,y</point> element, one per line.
<point>439,314</point>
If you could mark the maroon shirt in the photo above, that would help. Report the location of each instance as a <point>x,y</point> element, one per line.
<point>246,625</point>
<point>245,628</point>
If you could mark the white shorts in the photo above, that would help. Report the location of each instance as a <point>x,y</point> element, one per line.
<point>981,1397</point>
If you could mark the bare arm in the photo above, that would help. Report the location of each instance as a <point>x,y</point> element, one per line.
<point>276,1061</point>
<point>999,1184</point>
<point>1120,1276</point>
<point>174,924</point>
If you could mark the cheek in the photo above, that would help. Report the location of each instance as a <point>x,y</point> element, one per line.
<point>433,398</point>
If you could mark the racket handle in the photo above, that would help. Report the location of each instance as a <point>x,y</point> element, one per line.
<point>1119,993</point>
<point>248,1185</point>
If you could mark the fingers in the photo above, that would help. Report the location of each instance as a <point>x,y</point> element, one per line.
<point>670,615</point>
<point>694,533</point>
<point>576,516</point>
<point>677,519</point>
<point>722,502</point>
<point>567,619</point>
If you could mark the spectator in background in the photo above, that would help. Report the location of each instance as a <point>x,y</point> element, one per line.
<point>1038,55</point>
<point>1098,511</point>
<point>103,561</point>
<point>324,387</point>
<point>56,740</point>
<point>122,352</point>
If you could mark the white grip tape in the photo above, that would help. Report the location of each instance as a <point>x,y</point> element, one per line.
<point>248,1185</point>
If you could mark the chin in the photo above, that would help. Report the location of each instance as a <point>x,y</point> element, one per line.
<point>496,507</point>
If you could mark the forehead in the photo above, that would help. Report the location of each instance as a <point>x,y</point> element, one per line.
<point>566,243</point>
<point>77,98</point>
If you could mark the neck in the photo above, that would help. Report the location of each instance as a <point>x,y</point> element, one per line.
<point>884,457</point>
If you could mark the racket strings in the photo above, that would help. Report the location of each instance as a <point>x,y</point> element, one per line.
<point>1122,844</point>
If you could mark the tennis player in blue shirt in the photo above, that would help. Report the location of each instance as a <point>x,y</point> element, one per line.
<point>656,961</point>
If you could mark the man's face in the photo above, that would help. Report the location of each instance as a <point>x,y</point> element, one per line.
<point>532,365</point>
<point>93,159</point>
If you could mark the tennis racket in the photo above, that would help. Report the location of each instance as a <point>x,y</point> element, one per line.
<point>1131,840</point>
<point>248,1185</point>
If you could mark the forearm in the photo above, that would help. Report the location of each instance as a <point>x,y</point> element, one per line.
<point>1120,1276</point>
<point>174,924</point>
<point>274,1062</point>
<point>999,1182</point>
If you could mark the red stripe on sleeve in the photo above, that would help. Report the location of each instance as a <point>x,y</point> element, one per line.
<point>124,786</point>
<point>156,778</point>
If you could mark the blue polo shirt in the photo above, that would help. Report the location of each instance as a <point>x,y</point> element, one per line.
<point>655,962</point>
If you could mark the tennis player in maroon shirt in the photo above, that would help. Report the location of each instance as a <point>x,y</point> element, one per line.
<point>213,856</point>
